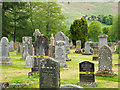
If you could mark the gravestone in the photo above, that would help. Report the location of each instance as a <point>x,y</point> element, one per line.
<point>60,37</point>
<point>78,46</point>
<point>71,44</point>
<point>86,74</point>
<point>112,46</point>
<point>36,34</point>
<point>5,59</point>
<point>105,62</point>
<point>19,50</point>
<point>71,87</point>
<point>60,53</point>
<point>49,71</point>
<point>95,53</point>
<point>102,40</point>
<point>28,42</point>
<point>51,45</point>
<point>11,46</point>
<point>15,45</point>
<point>87,47</point>
<point>67,47</point>
<point>41,49</point>
<point>29,61</point>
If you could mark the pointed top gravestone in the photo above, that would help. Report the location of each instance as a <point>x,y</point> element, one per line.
<point>59,37</point>
<point>49,71</point>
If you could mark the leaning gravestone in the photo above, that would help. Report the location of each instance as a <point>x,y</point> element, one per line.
<point>5,59</point>
<point>49,71</point>
<point>11,46</point>
<point>78,46</point>
<point>102,40</point>
<point>105,62</point>
<point>41,48</point>
<point>29,61</point>
<point>60,53</point>
<point>86,74</point>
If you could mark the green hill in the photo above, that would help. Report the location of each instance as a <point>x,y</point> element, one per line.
<point>75,10</point>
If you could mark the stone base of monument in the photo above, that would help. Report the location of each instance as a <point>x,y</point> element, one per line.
<point>88,84</point>
<point>68,59</point>
<point>63,65</point>
<point>105,73</point>
<point>78,51</point>
<point>83,53</point>
<point>5,61</point>
<point>95,58</point>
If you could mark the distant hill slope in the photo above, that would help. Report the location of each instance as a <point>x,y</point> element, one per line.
<point>75,10</point>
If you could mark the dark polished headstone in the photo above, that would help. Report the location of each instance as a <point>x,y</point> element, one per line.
<point>86,74</point>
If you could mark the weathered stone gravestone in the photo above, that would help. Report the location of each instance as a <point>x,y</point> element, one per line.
<point>49,71</point>
<point>60,37</point>
<point>60,53</point>
<point>71,87</point>
<point>29,61</point>
<point>78,46</point>
<point>105,62</point>
<point>5,59</point>
<point>41,48</point>
<point>87,47</point>
<point>36,34</point>
<point>67,47</point>
<point>102,40</point>
<point>27,45</point>
<point>87,76</point>
<point>11,46</point>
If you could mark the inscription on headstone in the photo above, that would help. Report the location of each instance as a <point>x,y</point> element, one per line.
<point>87,76</point>
<point>49,71</point>
<point>105,61</point>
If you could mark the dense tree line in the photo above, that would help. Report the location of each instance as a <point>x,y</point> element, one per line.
<point>101,18</point>
<point>22,18</point>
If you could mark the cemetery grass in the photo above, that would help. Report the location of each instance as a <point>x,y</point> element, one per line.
<point>17,73</point>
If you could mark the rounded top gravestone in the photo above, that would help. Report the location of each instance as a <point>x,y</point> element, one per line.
<point>5,47</point>
<point>105,58</point>
<point>103,36</point>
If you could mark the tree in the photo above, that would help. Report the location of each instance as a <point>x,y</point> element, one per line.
<point>94,30</point>
<point>14,13</point>
<point>105,30</point>
<point>47,17</point>
<point>115,29</point>
<point>79,30</point>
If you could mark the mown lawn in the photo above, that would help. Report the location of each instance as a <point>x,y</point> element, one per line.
<point>18,73</point>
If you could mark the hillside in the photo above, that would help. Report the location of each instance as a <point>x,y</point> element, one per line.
<point>75,10</point>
